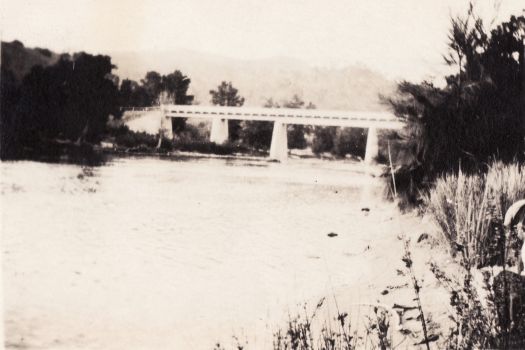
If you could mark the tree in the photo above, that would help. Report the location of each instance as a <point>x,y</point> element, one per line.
<point>10,128</point>
<point>176,87</point>
<point>477,116</point>
<point>131,94</point>
<point>227,95</point>
<point>70,100</point>
<point>152,83</point>
<point>297,133</point>
<point>258,134</point>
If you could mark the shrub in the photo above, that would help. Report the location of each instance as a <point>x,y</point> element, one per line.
<point>470,209</point>
<point>323,140</point>
<point>207,147</point>
<point>127,138</point>
<point>257,134</point>
<point>297,136</point>
<point>350,141</point>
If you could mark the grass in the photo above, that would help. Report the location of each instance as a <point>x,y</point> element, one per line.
<point>470,209</point>
<point>307,332</point>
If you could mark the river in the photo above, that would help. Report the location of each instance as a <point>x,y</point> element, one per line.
<point>146,253</point>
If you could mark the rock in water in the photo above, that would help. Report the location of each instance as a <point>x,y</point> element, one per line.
<point>422,237</point>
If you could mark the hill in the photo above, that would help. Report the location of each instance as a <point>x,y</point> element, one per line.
<point>351,87</point>
<point>279,78</point>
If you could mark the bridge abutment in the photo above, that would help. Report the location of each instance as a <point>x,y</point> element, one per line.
<point>219,131</point>
<point>372,146</point>
<point>279,146</point>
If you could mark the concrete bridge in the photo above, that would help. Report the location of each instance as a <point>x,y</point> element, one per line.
<point>281,117</point>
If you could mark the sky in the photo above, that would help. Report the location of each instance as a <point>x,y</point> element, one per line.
<point>399,38</point>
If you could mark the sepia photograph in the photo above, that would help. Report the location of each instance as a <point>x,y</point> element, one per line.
<point>262,174</point>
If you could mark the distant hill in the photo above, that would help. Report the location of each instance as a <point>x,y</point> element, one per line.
<point>351,88</point>
<point>19,59</point>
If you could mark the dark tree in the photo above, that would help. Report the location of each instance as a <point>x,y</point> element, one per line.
<point>323,140</point>
<point>258,134</point>
<point>297,133</point>
<point>152,83</point>
<point>227,95</point>
<point>10,127</point>
<point>176,85</point>
<point>477,116</point>
<point>132,94</point>
<point>70,100</point>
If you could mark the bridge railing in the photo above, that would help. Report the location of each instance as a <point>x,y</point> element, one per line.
<point>139,109</point>
<point>383,120</point>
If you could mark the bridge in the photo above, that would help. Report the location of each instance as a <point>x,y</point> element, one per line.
<point>281,117</point>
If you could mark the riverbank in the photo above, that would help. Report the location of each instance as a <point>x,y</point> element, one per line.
<point>379,281</point>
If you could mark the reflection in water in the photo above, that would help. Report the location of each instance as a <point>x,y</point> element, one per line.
<point>149,253</point>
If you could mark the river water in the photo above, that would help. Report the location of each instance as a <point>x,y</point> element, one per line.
<point>146,253</point>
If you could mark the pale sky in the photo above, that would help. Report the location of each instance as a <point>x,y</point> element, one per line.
<point>402,38</point>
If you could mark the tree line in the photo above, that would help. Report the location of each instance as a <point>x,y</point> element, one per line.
<point>71,101</point>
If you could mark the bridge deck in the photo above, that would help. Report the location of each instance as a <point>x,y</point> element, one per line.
<point>380,120</point>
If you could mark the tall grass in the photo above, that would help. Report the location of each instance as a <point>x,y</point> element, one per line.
<point>470,209</point>
<point>308,332</point>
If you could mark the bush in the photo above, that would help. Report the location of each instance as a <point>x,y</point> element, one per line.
<point>125,137</point>
<point>192,133</point>
<point>297,136</point>
<point>470,209</point>
<point>350,141</point>
<point>323,140</point>
<point>210,147</point>
<point>257,134</point>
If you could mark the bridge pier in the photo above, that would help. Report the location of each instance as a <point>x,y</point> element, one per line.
<point>372,146</point>
<point>219,131</point>
<point>166,130</point>
<point>279,146</point>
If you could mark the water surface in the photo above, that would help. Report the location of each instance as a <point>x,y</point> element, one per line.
<point>156,254</point>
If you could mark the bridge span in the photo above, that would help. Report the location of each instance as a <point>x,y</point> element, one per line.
<point>281,117</point>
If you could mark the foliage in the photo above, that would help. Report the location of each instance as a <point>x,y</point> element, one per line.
<point>407,259</point>
<point>323,140</point>
<point>350,141</point>
<point>171,88</point>
<point>11,128</point>
<point>256,134</point>
<point>124,137</point>
<point>305,332</point>
<point>474,324</point>
<point>70,100</point>
<point>227,95</point>
<point>296,133</point>
<point>209,147</point>
<point>470,209</point>
<point>132,94</point>
<point>476,116</point>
